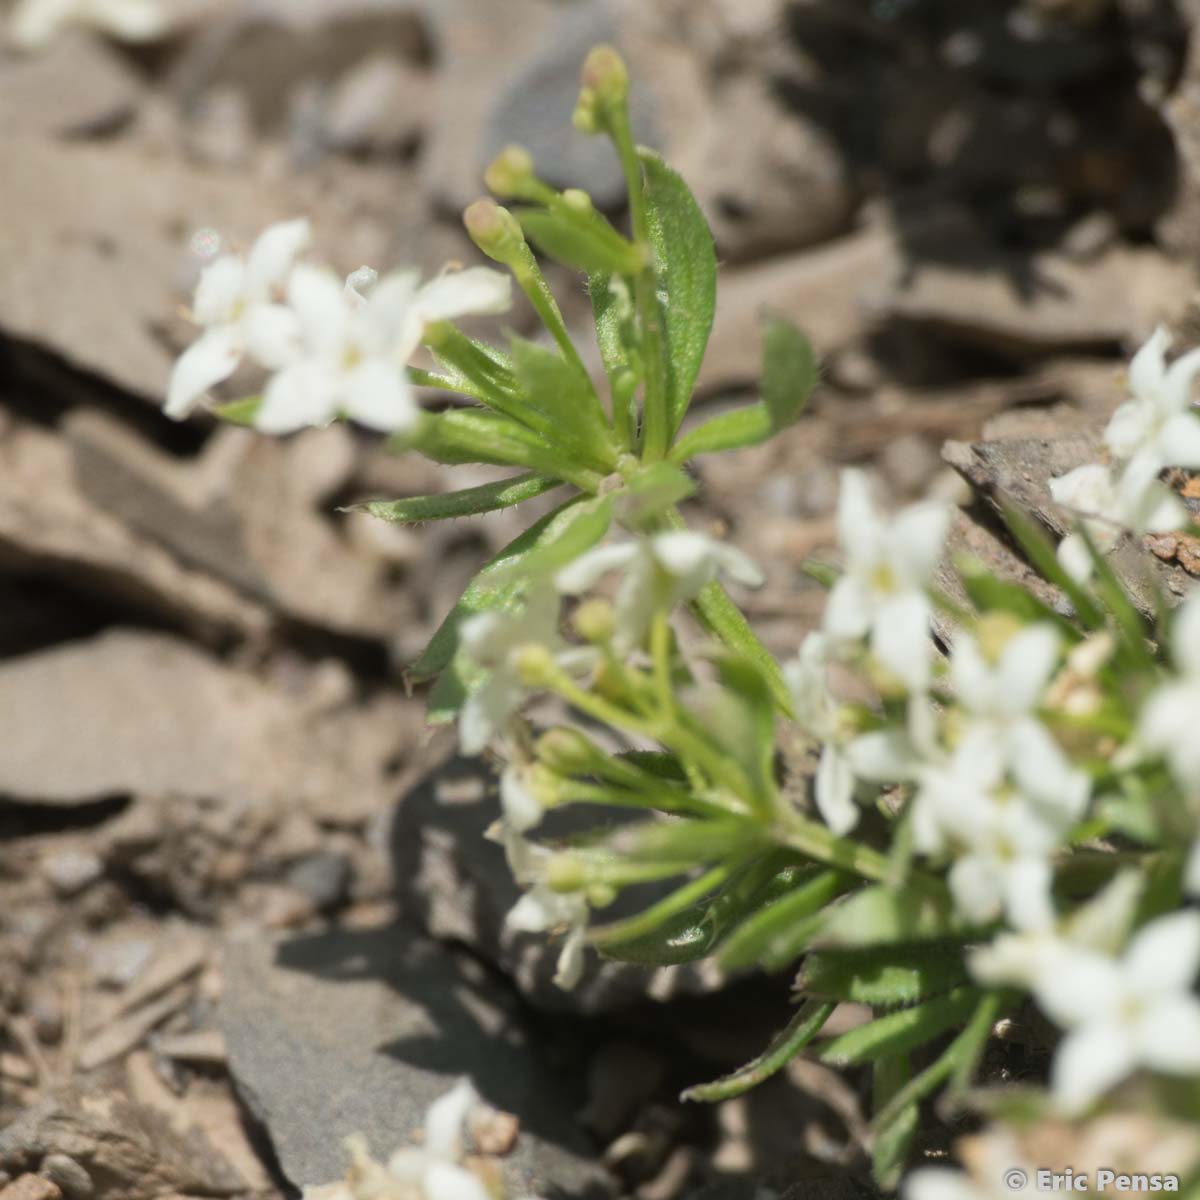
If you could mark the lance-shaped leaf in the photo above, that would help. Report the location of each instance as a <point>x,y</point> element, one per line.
<point>487,497</point>
<point>238,412</point>
<point>651,492</point>
<point>883,977</point>
<point>612,308</point>
<point>745,426</point>
<point>585,244</point>
<point>880,916</point>
<point>686,264</point>
<point>551,542</point>
<point>902,1031</point>
<point>801,1030</point>
<point>892,1146</point>
<point>789,374</point>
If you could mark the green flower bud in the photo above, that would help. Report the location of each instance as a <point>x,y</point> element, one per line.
<point>511,172</point>
<point>566,873</point>
<point>566,751</point>
<point>578,200</point>
<point>606,76</point>
<point>601,895</point>
<point>586,117</point>
<point>496,232</point>
<point>593,620</point>
<point>534,665</point>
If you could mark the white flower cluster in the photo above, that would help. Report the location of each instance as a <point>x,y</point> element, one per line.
<point>1155,429</point>
<point>995,796</point>
<point>432,1171</point>
<point>35,23</point>
<point>333,348</point>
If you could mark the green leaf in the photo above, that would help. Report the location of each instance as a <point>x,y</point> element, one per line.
<point>1041,554</point>
<point>882,977</point>
<point>718,613</point>
<point>461,435</point>
<point>686,265</point>
<point>991,594</point>
<point>769,936</point>
<point>789,374</point>
<point>879,916</point>
<point>801,1030</point>
<point>685,841</point>
<point>563,403</point>
<point>238,412</point>
<point>892,1145</point>
<point>584,245</point>
<point>650,492</point>
<point>487,497</point>
<point>746,426</point>
<point>612,308</point>
<point>567,531</point>
<point>902,1031</point>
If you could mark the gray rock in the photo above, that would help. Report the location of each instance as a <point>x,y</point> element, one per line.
<point>323,879</point>
<point>358,1031</point>
<point>455,884</point>
<point>70,871</point>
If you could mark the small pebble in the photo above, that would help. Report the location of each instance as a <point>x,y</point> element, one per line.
<point>70,871</point>
<point>72,1180</point>
<point>322,878</point>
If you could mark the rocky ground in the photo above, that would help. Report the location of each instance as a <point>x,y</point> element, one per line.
<point>244,905</point>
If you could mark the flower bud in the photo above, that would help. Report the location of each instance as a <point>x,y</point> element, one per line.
<point>606,76</point>
<point>586,117</point>
<point>578,200</point>
<point>495,231</point>
<point>601,895</point>
<point>566,751</point>
<point>594,620</point>
<point>534,665</point>
<point>566,873</point>
<point>510,172</point>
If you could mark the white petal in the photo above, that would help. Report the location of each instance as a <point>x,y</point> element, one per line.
<point>133,20</point>
<point>1075,558</point>
<point>1087,1063</point>
<point>1178,382</point>
<point>940,1183</point>
<point>487,710</point>
<point>588,568</point>
<point>835,791</point>
<point>848,610</point>
<point>272,256</point>
<point>1148,368</point>
<point>1179,441</point>
<point>1128,429</point>
<point>976,888</point>
<point>219,291</point>
<point>392,323</point>
<point>1087,489</point>
<point>445,1119</point>
<point>457,293</point>
<point>531,913</point>
<point>884,756</point>
<point>1082,987</point>
<point>970,675</point>
<point>1026,665</point>
<point>900,638</point>
<point>740,567</point>
<point>446,1181</point>
<point>1044,772</point>
<point>1185,635</point>
<point>522,810</point>
<point>1027,901</point>
<point>918,540</point>
<point>273,336</point>
<point>34,23</point>
<point>1169,1036</point>
<point>638,596</point>
<point>688,556</point>
<point>378,395</point>
<point>206,362</point>
<point>1165,954</point>
<point>360,283</point>
<point>1191,872</point>
<point>1143,503</point>
<point>301,395</point>
<point>319,300</point>
<point>859,526</point>
<point>569,969</point>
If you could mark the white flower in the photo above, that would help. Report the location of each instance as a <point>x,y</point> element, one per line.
<point>888,565</point>
<point>1001,700</point>
<point>236,302</point>
<point>1001,843</point>
<point>662,571</point>
<point>492,641</point>
<point>522,809</point>
<point>542,909</point>
<point>35,22</point>
<point>1135,1011</point>
<point>1168,723</point>
<point>434,1166</point>
<point>1111,502</point>
<point>1158,425</point>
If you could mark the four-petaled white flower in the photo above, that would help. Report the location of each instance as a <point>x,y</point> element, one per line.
<point>888,565</point>
<point>1001,699</point>
<point>662,570</point>
<point>1123,1013</point>
<point>1168,723</point>
<point>237,302</point>
<point>1158,425</point>
<point>542,909</point>
<point>34,23</point>
<point>435,1166</point>
<point>355,348</point>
